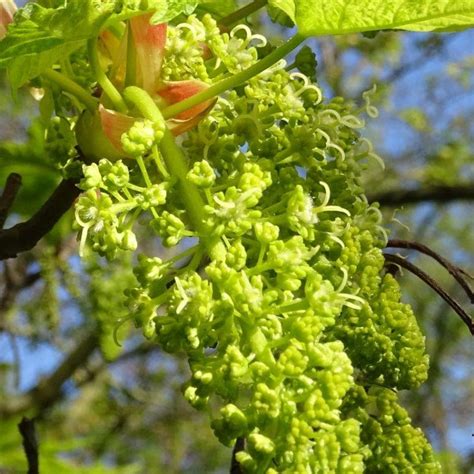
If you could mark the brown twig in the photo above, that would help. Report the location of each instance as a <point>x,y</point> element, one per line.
<point>30,444</point>
<point>12,186</point>
<point>25,236</point>
<point>396,259</point>
<point>454,270</point>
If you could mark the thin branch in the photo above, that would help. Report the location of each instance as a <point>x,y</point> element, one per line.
<point>439,194</point>
<point>49,389</point>
<point>12,186</point>
<point>235,467</point>
<point>25,236</point>
<point>454,270</point>
<point>30,444</point>
<point>396,259</point>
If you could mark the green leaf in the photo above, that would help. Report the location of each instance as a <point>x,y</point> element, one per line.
<point>40,36</point>
<point>323,17</point>
<point>287,6</point>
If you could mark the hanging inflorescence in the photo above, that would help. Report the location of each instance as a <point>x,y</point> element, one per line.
<point>296,339</point>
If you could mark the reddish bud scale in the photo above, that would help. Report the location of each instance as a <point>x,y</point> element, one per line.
<point>7,10</point>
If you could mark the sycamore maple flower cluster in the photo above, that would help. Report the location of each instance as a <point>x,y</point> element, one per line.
<point>296,339</point>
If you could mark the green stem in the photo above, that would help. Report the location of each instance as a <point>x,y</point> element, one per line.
<point>109,89</point>
<point>120,207</point>
<point>68,85</point>
<point>144,172</point>
<point>186,253</point>
<point>177,165</point>
<point>67,68</point>
<point>234,80</point>
<point>242,13</point>
<point>159,163</point>
<point>300,305</point>
<point>131,67</point>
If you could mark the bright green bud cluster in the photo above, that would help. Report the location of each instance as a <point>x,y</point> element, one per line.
<point>393,343</point>
<point>233,49</point>
<point>202,174</point>
<point>153,196</point>
<point>186,52</point>
<point>106,175</point>
<point>143,308</point>
<point>231,424</point>
<point>149,269</point>
<point>170,228</point>
<point>232,213</point>
<point>141,137</point>
<point>98,219</point>
<point>394,445</point>
<point>111,194</point>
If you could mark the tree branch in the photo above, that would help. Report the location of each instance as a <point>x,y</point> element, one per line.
<point>439,194</point>
<point>49,389</point>
<point>12,186</point>
<point>454,270</point>
<point>25,236</point>
<point>396,259</point>
<point>30,444</point>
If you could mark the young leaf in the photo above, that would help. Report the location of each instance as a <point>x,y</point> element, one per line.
<point>323,17</point>
<point>41,36</point>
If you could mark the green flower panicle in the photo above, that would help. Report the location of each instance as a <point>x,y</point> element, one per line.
<point>278,279</point>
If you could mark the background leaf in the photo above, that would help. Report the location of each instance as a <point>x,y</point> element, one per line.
<point>288,6</point>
